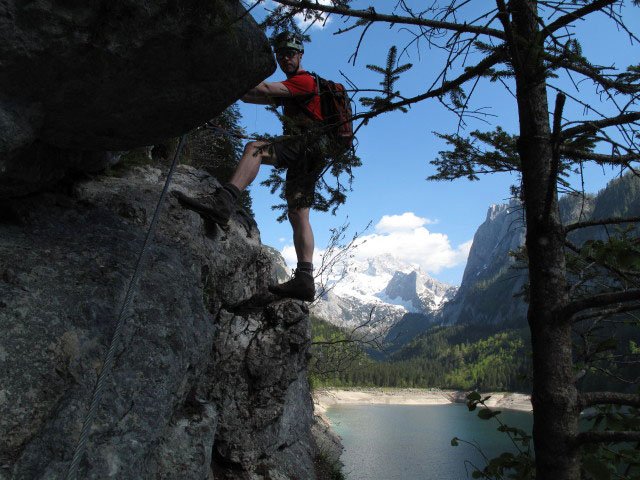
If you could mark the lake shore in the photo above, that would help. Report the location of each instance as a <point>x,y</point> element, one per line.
<point>324,398</point>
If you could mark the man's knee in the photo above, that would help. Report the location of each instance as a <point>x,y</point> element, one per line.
<point>260,149</point>
<point>298,216</point>
<point>253,148</point>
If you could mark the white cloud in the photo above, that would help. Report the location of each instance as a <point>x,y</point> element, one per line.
<point>408,221</point>
<point>431,251</point>
<point>405,237</point>
<point>282,239</point>
<point>309,18</point>
<point>289,254</point>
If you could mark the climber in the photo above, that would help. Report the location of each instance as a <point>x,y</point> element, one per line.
<point>300,154</point>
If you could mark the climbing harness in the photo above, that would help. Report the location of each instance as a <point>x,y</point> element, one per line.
<point>115,340</point>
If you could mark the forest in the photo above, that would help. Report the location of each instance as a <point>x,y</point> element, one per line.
<point>458,357</point>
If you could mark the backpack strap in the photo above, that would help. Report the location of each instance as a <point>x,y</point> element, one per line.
<point>308,98</point>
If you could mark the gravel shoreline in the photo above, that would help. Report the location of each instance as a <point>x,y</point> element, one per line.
<point>324,398</point>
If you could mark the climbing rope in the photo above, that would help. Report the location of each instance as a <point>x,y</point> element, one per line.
<point>115,341</point>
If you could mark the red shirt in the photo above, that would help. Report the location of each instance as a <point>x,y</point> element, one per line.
<point>302,84</point>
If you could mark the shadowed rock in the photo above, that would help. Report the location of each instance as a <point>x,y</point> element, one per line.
<point>111,75</point>
<point>196,390</point>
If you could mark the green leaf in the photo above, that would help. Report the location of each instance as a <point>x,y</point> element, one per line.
<point>474,396</point>
<point>486,414</point>
<point>596,469</point>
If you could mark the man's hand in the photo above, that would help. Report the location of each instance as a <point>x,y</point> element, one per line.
<point>265,91</point>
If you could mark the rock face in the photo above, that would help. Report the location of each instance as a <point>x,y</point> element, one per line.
<point>418,291</point>
<point>196,390</point>
<point>111,75</point>
<point>489,281</point>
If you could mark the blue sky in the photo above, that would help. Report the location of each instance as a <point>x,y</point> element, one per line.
<point>424,222</point>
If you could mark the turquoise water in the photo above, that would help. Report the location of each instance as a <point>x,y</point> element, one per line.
<point>407,442</point>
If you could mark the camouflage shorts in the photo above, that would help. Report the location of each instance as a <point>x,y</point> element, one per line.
<point>305,162</point>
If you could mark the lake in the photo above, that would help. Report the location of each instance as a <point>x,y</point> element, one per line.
<point>407,442</point>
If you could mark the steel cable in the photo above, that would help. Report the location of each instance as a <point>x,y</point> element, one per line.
<point>115,340</point>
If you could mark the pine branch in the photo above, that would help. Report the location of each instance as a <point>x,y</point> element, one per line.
<point>607,437</point>
<point>595,125</point>
<point>593,73</point>
<point>604,221</point>
<point>373,16</point>
<point>589,399</point>
<point>607,312</point>
<point>599,301</point>
<point>446,87</point>
<point>577,154</point>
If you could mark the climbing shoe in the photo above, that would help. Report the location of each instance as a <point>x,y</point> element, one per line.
<point>300,287</point>
<point>217,208</point>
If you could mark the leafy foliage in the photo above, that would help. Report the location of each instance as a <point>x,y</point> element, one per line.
<point>333,179</point>
<point>469,159</point>
<point>517,466</point>
<point>611,461</point>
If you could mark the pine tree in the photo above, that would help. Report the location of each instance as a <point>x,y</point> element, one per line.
<point>219,154</point>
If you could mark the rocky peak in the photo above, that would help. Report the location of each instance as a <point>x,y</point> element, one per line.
<point>502,231</point>
<point>404,286</point>
<point>385,284</point>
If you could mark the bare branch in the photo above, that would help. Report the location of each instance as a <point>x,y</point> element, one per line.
<point>604,221</point>
<point>595,125</point>
<point>607,437</point>
<point>373,16</point>
<point>590,399</point>
<point>561,98</point>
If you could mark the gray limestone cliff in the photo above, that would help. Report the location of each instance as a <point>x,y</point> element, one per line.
<point>81,81</point>
<point>490,281</point>
<point>494,282</point>
<point>197,391</point>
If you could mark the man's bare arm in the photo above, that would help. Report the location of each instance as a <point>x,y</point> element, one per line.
<point>264,92</point>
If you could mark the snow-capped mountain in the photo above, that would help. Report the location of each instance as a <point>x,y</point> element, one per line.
<point>384,284</point>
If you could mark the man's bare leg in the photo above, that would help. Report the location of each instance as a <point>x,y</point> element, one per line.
<point>302,234</point>
<point>255,154</point>
<point>301,286</point>
<point>219,208</point>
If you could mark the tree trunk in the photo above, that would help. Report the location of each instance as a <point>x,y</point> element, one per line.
<point>555,404</point>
